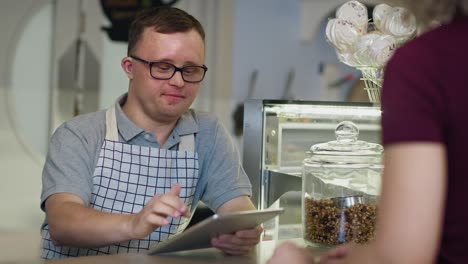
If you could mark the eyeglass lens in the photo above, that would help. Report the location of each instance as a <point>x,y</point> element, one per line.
<point>163,70</point>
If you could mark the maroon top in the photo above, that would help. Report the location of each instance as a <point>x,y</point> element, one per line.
<point>425,99</point>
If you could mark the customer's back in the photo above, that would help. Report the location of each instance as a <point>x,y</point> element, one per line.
<point>425,99</point>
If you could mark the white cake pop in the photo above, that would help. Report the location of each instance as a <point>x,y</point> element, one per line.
<point>399,23</point>
<point>363,51</point>
<point>347,58</point>
<point>382,49</point>
<point>379,12</point>
<point>355,12</point>
<point>342,34</point>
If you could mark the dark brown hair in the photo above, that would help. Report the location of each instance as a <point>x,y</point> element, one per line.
<point>164,20</point>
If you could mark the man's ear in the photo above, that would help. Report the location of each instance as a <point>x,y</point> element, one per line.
<point>127,66</point>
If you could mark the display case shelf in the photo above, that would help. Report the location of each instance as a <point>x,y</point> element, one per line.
<point>277,136</point>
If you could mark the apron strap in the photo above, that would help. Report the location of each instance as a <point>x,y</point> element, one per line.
<point>187,143</point>
<point>111,125</point>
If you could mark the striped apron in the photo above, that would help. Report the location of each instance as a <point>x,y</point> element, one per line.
<point>125,178</point>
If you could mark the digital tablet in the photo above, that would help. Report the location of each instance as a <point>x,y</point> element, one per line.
<point>200,234</point>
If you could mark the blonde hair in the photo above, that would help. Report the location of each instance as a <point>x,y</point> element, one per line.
<point>428,11</point>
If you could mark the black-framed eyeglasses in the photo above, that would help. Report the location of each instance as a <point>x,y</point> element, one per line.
<point>164,71</point>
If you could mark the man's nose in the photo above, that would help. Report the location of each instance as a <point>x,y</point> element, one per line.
<point>177,79</point>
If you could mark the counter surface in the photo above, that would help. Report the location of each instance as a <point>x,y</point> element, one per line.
<point>210,255</point>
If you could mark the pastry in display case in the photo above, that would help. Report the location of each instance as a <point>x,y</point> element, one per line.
<point>278,135</point>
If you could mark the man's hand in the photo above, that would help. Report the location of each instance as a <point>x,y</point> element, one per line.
<point>239,243</point>
<point>290,253</point>
<point>156,211</point>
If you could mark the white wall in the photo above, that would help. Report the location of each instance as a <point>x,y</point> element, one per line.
<point>30,79</point>
<point>268,38</point>
<point>114,82</point>
<point>24,61</point>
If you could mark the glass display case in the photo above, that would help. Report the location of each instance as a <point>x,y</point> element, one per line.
<point>277,136</point>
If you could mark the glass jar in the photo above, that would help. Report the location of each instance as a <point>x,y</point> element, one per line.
<point>340,188</point>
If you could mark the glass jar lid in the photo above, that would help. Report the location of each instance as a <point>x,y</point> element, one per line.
<point>347,148</point>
